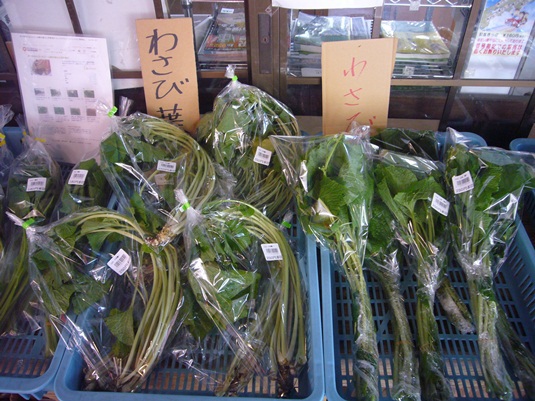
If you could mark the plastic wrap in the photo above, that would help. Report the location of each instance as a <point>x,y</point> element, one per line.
<point>408,141</point>
<point>426,144</point>
<point>383,257</point>
<point>244,292</point>
<point>145,160</point>
<point>113,298</point>
<point>332,182</point>
<point>85,186</point>
<point>486,184</point>
<point>413,190</point>
<point>33,189</point>
<point>237,138</point>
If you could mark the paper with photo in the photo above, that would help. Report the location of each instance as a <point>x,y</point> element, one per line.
<point>63,79</point>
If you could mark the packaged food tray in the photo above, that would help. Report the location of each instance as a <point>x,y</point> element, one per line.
<point>172,381</point>
<point>515,287</point>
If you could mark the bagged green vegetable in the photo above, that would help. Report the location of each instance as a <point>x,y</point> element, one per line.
<point>85,186</point>
<point>33,189</point>
<point>333,187</point>
<point>236,134</point>
<point>116,299</point>
<point>384,257</point>
<point>244,287</point>
<point>412,188</point>
<point>486,185</point>
<point>145,159</point>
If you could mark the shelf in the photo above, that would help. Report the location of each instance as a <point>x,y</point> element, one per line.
<point>430,3</point>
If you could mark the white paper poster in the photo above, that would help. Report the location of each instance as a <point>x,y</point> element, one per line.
<point>500,42</point>
<point>62,80</point>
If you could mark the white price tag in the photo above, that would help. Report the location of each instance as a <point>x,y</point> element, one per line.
<point>77,177</point>
<point>262,156</point>
<point>440,204</point>
<point>462,183</point>
<point>120,262</point>
<point>168,167</point>
<point>227,11</point>
<point>36,184</point>
<point>272,252</point>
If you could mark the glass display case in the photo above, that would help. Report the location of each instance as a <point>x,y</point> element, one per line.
<point>440,69</point>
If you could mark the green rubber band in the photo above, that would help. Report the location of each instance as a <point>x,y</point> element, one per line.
<point>28,223</point>
<point>235,78</point>
<point>286,224</point>
<point>185,206</point>
<point>112,112</point>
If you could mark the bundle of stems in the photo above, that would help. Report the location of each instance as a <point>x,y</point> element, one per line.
<point>34,206</point>
<point>130,162</point>
<point>407,185</point>
<point>383,255</point>
<point>127,318</point>
<point>243,119</point>
<point>275,323</point>
<point>332,185</point>
<point>483,226</point>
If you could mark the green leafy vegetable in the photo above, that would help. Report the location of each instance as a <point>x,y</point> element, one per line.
<point>333,189</point>
<point>482,227</point>
<point>93,191</point>
<point>408,141</point>
<point>127,318</point>
<point>383,255</point>
<point>243,119</point>
<point>131,160</point>
<point>407,185</point>
<point>258,306</point>
<point>25,203</point>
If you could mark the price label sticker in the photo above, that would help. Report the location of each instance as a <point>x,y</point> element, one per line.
<point>272,252</point>
<point>120,262</point>
<point>262,156</point>
<point>227,11</point>
<point>462,183</point>
<point>168,167</point>
<point>37,184</point>
<point>440,204</point>
<point>77,177</point>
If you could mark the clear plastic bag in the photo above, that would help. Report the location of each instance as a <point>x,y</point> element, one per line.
<point>384,259</point>
<point>413,189</point>
<point>145,160</point>
<point>114,299</point>
<point>85,186</point>
<point>237,138</point>
<point>244,295</point>
<point>33,189</point>
<point>486,184</point>
<point>332,183</point>
<point>421,143</point>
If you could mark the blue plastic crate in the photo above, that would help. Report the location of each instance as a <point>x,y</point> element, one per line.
<point>172,381</point>
<point>526,145</point>
<point>24,368</point>
<point>515,287</point>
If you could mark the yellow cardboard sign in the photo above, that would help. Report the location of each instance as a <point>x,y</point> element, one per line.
<point>356,78</point>
<point>169,72</point>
